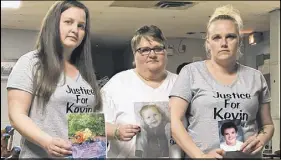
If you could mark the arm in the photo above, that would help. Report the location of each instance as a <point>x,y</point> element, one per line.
<point>110,130</point>
<point>178,108</point>
<point>20,89</point>
<point>267,129</point>
<point>18,106</point>
<point>114,130</point>
<point>121,132</point>
<point>255,143</point>
<point>264,115</point>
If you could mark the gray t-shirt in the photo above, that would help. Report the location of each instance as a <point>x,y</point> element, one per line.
<point>211,102</point>
<point>71,96</point>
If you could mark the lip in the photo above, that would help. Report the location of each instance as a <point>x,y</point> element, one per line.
<point>224,50</point>
<point>73,37</point>
<point>154,122</point>
<point>152,61</point>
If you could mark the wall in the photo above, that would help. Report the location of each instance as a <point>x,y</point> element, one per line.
<point>102,61</point>
<point>274,65</point>
<point>194,48</point>
<point>15,43</point>
<point>251,51</point>
<point>108,55</point>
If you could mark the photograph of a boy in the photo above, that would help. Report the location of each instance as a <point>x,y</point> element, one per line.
<point>232,136</point>
<point>153,140</point>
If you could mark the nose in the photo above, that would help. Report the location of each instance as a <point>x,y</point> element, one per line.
<point>74,28</point>
<point>152,54</point>
<point>224,43</point>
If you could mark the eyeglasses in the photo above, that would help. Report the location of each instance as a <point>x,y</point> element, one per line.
<point>147,50</point>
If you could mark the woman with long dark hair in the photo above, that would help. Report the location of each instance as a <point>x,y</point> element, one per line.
<point>55,79</point>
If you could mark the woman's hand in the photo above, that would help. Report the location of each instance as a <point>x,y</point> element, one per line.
<point>127,132</point>
<point>57,147</point>
<point>253,144</point>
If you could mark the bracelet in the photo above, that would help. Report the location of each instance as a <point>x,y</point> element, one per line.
<point>116,133</point>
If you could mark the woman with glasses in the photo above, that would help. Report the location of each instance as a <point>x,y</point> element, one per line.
<point>148,83</point>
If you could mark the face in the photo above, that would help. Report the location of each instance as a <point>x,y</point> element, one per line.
<point>156,60</point>
<point>72,27</point>
<point>230,136</point>
<point>223,40</point>
<point>152,117</point>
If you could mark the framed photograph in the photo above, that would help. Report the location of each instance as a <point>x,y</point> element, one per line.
<point>86,131</point>
<point>6,68</point>
<point>154,138</point>
<point>231,135</point>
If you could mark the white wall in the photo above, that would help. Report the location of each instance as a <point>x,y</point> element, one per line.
<point>275,75</point>
<point>194,48</point>
<point>15,43</point>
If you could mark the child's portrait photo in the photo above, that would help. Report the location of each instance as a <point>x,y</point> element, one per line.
<point>231,135</point>
<point>153,140</point>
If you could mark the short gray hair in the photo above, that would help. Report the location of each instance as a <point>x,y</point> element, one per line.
<point>146,32</point>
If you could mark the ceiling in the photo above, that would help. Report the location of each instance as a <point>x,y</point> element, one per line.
<point>109,18</point>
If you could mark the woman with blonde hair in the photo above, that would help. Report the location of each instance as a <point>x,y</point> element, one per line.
<point>220,89</point>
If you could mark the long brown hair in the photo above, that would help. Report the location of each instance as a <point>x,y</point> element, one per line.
<point>50,54</point>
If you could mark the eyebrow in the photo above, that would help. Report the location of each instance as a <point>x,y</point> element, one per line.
<point>229,34</point>
<point>152,47</point>
<point>232,34</point>
<point>73,20</point>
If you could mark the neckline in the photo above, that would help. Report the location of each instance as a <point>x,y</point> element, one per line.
<point>219,83</point>
<point>160,86</point>
<point>75,78</point>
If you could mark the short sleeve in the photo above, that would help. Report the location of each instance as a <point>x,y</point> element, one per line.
<point>182,86</point>
<point>22,73</point>
<point>108,105</point>
<point>264,96</point>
